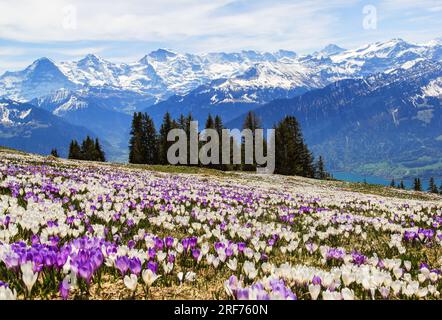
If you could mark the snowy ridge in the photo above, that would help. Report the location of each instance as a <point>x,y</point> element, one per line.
<point>163,73</point>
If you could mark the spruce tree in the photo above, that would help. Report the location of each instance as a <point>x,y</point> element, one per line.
<point>402,185</point>
<point>136,140</point>
<point>321,173</point>
<point>210,124</point>
<point>99,153</point>
<point>74,150</point>
<point>392,183</point>
<point>218,125</point>
<point>163,144</point>
<point>432,187</point>
<point>88,149</point>
<point>417,184</point>
<point>149,141</point>
<point>251,122</point>
<point>54,153</point>
<point>292,156</point>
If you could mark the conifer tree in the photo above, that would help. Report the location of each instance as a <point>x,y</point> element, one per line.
<point>136,140</point>
<point>74,150</point>
<point>251,122</point>
<point>54,153</point>
<point>149,141</point>
<point>88,149</point>
<point>218,125</point>
<point>292,156</point>
<point>392,183</point>
<point>432,187</point>
<point>163,144</point>
<point>99,153</point>
<point>210,124</point>
<point>417,184</point>
<point>321,173</point>
<point>402,185</point>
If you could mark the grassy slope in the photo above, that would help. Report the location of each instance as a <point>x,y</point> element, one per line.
<point>348,186</point>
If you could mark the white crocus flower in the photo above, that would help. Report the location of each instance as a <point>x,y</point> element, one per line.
<point>314,290</point>
<point>232,264</point>
<point>347,294</point>
<point>29,277</point>
<point>190,276</point>
<point>7,294</point>
<point>149,277</point>
<point>131,282</point>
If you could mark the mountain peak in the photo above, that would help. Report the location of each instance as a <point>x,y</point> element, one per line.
<point>42,64</point>
<point>435,42</point>
<point>285,54</point>
<point>162,54</point>
<point>91,59</point>
<point>331,49</point>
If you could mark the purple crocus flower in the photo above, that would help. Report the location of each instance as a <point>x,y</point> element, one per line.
<point>64,289</point>
<point>171,258</point>
<point>153,266</point>
<point>242,294</point>
<point>135,265</point>
<point>195,253</point>
<point>316,280</point>
<point>241,246</point>
<point>122,264</point>
<point>169,242</point>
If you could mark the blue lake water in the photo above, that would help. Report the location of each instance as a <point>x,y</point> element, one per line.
<point>354,177</point>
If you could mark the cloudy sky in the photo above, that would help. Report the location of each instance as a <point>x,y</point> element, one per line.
<point>127,30</point>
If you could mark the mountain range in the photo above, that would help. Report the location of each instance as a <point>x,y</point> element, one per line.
<point>324,88</point>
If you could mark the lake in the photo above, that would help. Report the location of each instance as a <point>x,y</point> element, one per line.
<point>354,177</point>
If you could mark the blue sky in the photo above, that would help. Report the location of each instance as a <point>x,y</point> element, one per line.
<point>127,30</point>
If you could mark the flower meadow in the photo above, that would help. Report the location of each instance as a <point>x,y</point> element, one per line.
<point>81,230</point>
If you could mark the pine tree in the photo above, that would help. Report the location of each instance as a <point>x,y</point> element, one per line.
<point>149,141</point>
<point>251,122</point>
<point>321,173</point>
<point>136,140</point>
<point>392,183</point>
<point>88,149</point>
<point>163,144</point>
<point>432,187</point>
<point>402,185</point>
<point>99,153</point>
<point>292,156</point>
<point>210,124</point>
<point>54,153</point>
<point>218,125</point>
<point>74,150</point>
<point>417,184</point>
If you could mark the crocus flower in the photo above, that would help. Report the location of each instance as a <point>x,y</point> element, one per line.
<point>131,282</point>
<point>64,288</point>
<point>28,275</point>
<point>149,277</point>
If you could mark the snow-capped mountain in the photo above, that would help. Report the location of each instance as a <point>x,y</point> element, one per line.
<point>41,78</point>
<point>26,127</point>
<point>102,95</point>
<point>163,73</point>
<point>385,124</point>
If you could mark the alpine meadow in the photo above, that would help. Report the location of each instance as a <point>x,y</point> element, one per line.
<point>255,160</point>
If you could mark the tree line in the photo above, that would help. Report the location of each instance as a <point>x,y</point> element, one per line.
<point>292,155</point>
<point>89,149</point>
<point>417,185</point>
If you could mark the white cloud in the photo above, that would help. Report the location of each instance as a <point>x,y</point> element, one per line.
<point>266,22</point>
